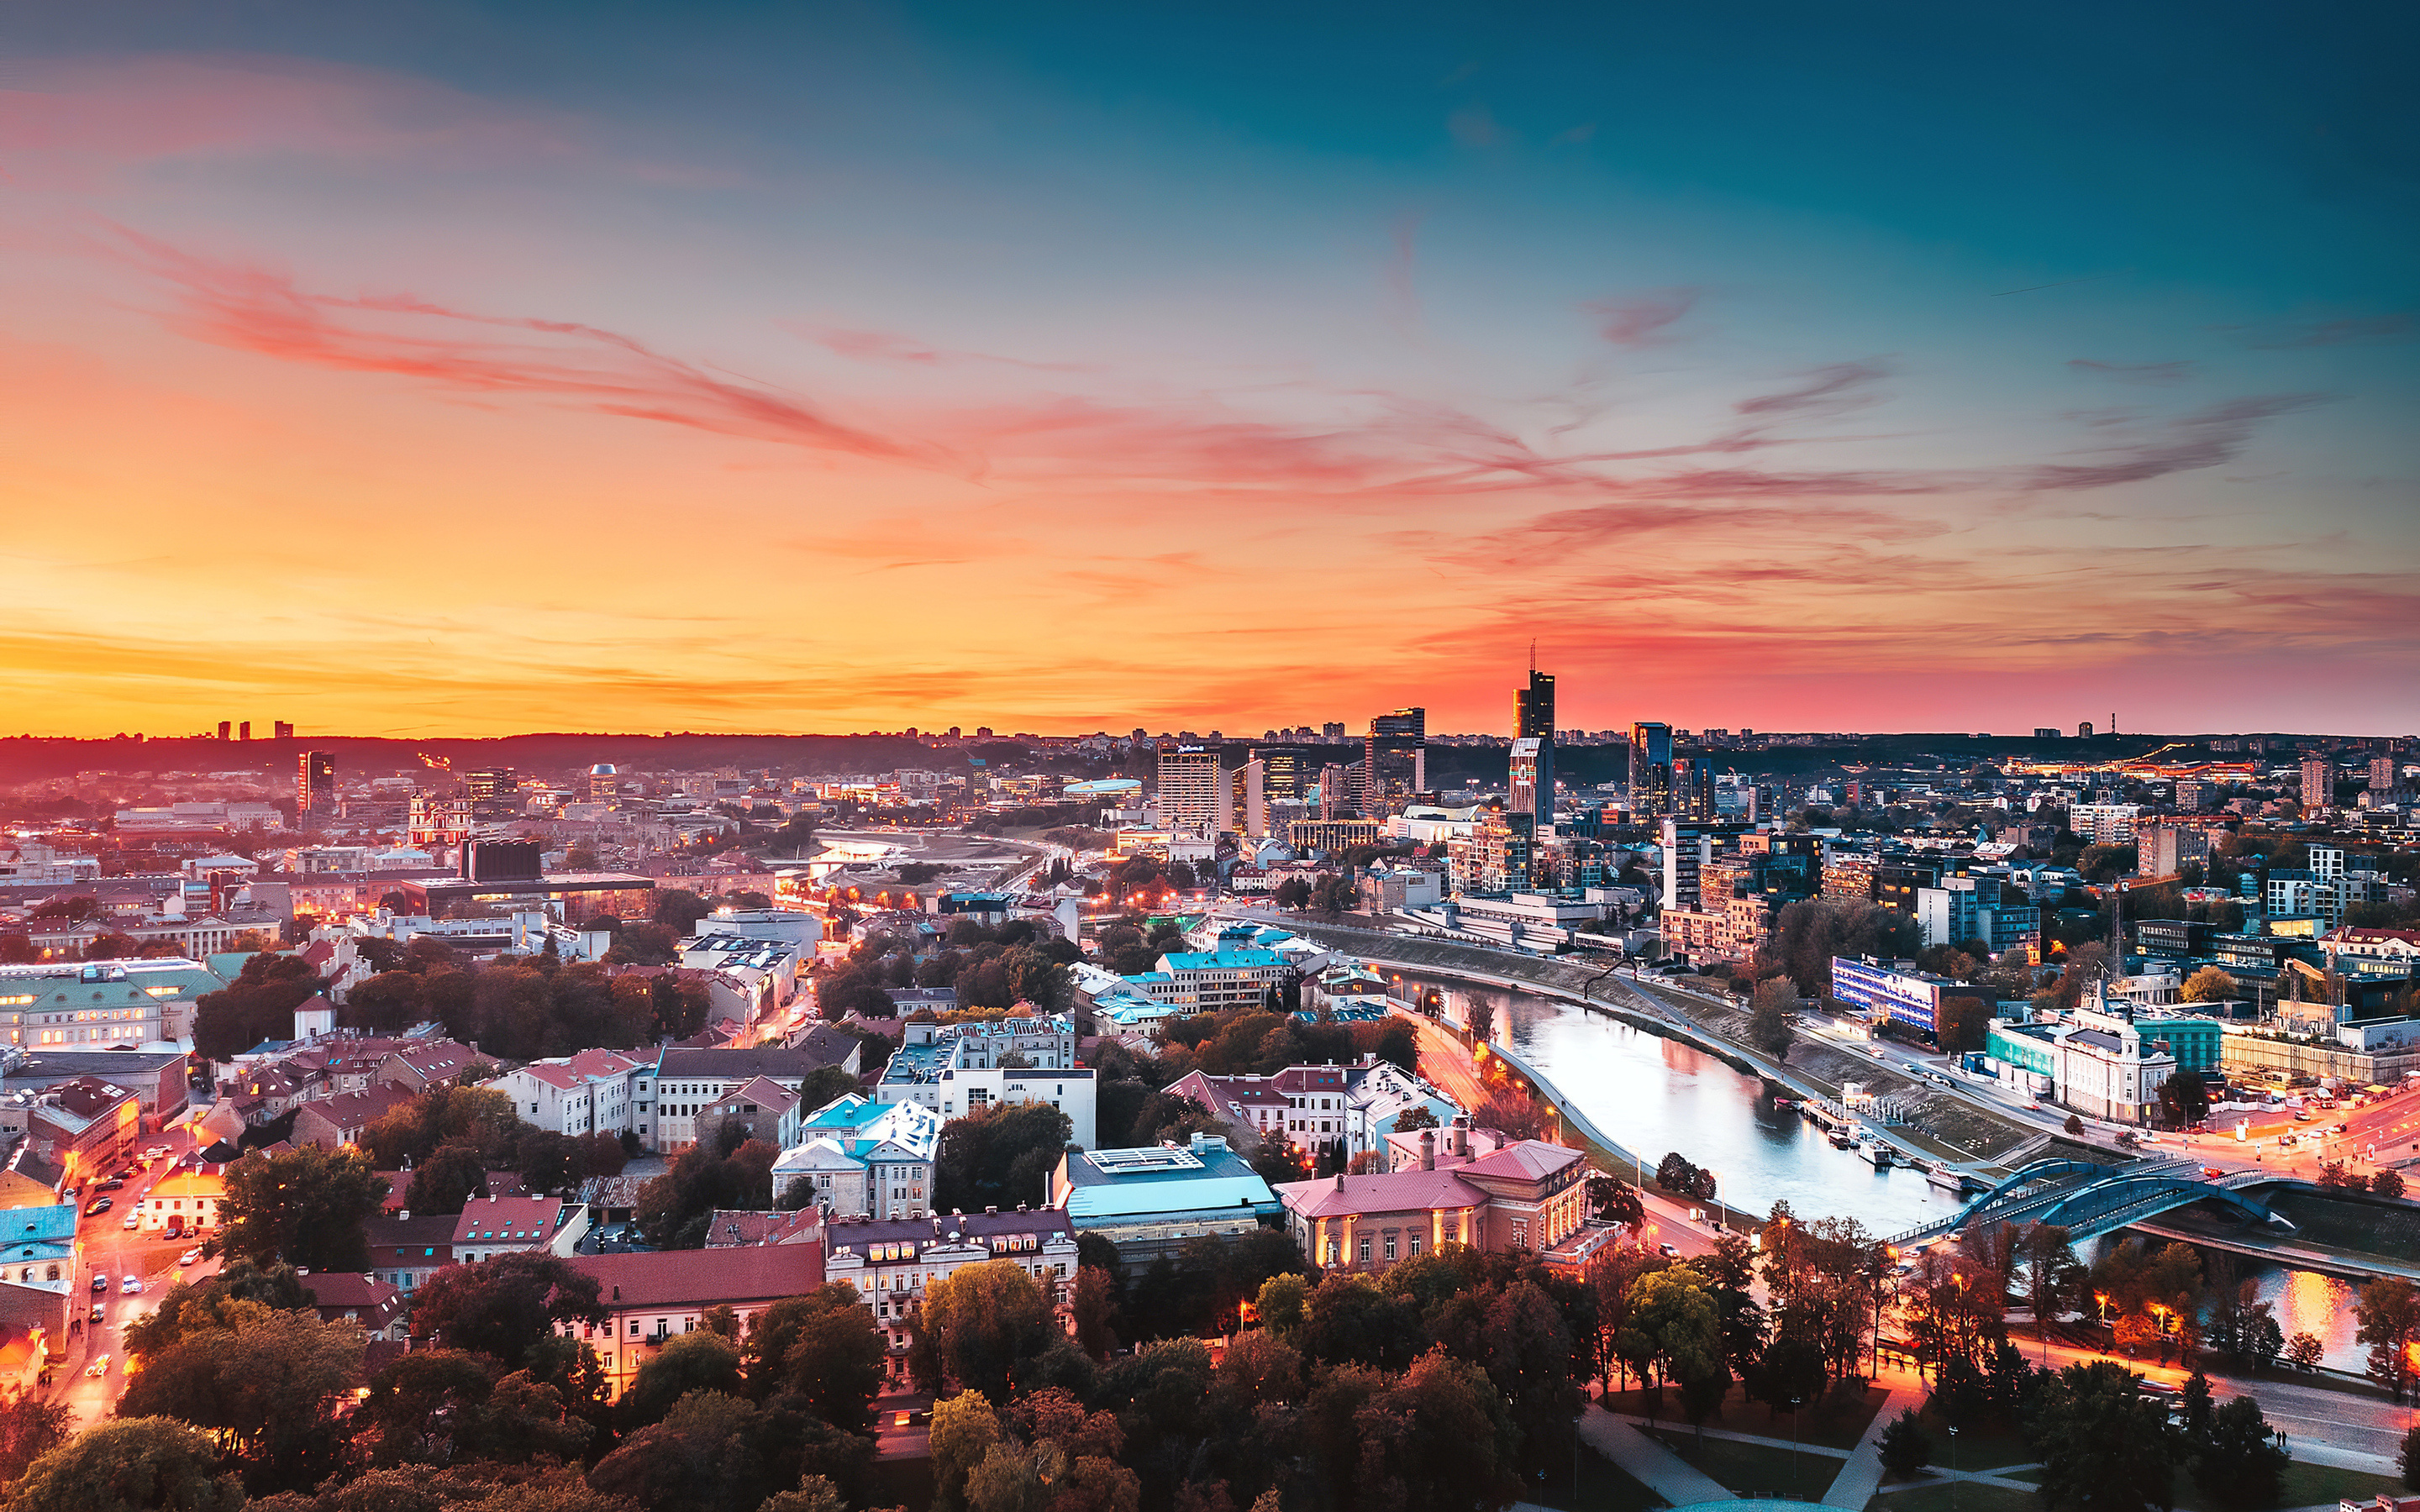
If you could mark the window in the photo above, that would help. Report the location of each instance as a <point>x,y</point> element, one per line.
<point>1365,1251</point>
<point>1416,1247</point>
<point>1390,1248</point>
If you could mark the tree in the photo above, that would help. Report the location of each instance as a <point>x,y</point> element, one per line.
<point>504,1306</point>
<point>130,1464</point>
<point>1963,1023</point>
<point>2054,1277</point>
<point>1617,1202</point>
<point>2407,1458</point>
<point>306,1206</point>
<point>1526,1349</point>
<point>446,1181</point>
<point>1673,1324</point>
<point>826,1085</point>
<point>2303,1351</point>
<point>2388,1311</point>
<point>1906,1447</point>
<point>964,1430</point>
<point>822,1347</point>
<point>2212,985</point>
<point>999,1156</point>
<point>2074,1125</point>
<point>2238,1462</point>
<point>1770,1007</point>
<point>2104,1446</point>
<point>2184,1098</point>
<point>1293,892</point>
<point>258,1005</point>
<point>30,1428</point>
<point>1096,1308</point>
<point>976,1324</point>
<point>699,1360</point>
<point>2387,1183</point>
<point>267,1388</point>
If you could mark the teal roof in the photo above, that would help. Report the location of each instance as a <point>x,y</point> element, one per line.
<point>1219,960</point>
<point>1160,1181</point>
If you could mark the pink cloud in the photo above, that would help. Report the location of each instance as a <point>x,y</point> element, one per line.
<point>1646,320</point>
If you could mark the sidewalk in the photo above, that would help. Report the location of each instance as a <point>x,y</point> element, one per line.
<point>1648,1462</point>
<point>1862,1475</point>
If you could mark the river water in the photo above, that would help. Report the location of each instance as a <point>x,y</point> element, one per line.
<point>1652,1095</point>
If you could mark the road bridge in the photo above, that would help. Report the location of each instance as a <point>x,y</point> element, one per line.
<point>2089,1200</point>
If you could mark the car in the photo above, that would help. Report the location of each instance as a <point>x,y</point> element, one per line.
<point>2340,1128</point>
<point>116,1183</point>
<point>1668,1251</point>
<point>99,1284</point>
<point>2213,1172</point>
<point>133,1220</point>
<point>131,1285</point>
<point>99,1206</point>
<point>2304,1117</point>
<point>99,1368</point>
<point>190,1257</point>
<point>100,1311</point>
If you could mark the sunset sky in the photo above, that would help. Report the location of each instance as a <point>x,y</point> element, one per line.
<point>429,369</point>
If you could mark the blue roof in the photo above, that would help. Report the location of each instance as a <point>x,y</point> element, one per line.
<point>1219,960</point>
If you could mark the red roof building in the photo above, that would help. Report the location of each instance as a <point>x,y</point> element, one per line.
<point>652,1298</point>
<point>1528,1196</point>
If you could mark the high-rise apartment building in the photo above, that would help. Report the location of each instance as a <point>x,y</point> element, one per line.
<point>243,732</point>
<point>315,782</point>
<point>2318,783</point>
<point>1248,797</point>
<point>1194,793</point>
<point>1651,768</point>
<point>226,729</point>
<point>1340,790</point>
<point>1693,788</point>
<point>1395,765</point>
<point>285,730</point>
<point>2385,776</point>
<point>1533,721</point>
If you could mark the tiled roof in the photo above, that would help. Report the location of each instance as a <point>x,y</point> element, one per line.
<point>1393,1191</point>
<point>1525,1160</point>
<point>343,1289</point>
<point>732,1227</point>
<point>676,1278</point>
<point>508,1220</point>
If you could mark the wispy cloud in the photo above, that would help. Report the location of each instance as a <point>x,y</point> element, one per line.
<point>1643,320</point>
<point>2287,336</point>
<point>2204,439</point>
<point>2134,372</point>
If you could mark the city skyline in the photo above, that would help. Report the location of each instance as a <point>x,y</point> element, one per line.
<point>443,371</point>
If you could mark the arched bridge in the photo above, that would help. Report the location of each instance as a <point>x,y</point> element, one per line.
<point>2088,1199</point>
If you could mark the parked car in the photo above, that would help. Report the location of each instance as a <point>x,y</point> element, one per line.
<point>99,1284</point>
<point>99,1206</point>
<point>98,1311</point>
<point>116,1183</point>
<point>130,1284</point>
<point>133,1220</point>
<point>190,1257</point>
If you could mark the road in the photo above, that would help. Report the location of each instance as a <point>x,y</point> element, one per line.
<point>111,1253</point>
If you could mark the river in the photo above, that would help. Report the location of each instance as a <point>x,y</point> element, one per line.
<point>1655,1095</point>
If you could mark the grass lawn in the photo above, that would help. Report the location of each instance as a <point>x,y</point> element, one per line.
<point>1754,1468</point>
<point>1837,1422</point>
<point>1604,1487</point>
<point>1970,1497</point>
<point>1978,1448</point>
<point>2305,1486</point>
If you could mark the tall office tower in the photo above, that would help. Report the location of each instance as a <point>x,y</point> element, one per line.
<point>243,731</point>
<point>227,728</point>
<point>315,782</point>
<point>1248,797</point>
<point>1285,771</point>
<point>494,790</point>
<point>1394,761</point>
<point>2318,783</point>
<point>1533,718</point>
<point>1340,790</point>
<point>1193,790</point>
<point>1693,788</point>
<point>1534,788</point>
<point>285,730</point>
<point>1651,768</point>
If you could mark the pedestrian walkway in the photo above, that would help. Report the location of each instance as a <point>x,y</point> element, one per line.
<point>1857,1481</point>
<point>1647,1461</point>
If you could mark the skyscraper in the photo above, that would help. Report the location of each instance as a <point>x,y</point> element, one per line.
<point>1693,788</point>
<point>1285,771</point>
<point>1651,768</point>
<point>1395,761</point>
<point>285,730</point>
<point>1248,801</point>
<point>1194,793</point>
<point>315,782</point>
<point>1533,720</point>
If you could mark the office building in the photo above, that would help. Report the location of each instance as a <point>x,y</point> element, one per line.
<point>1524,1198</point>
<point>1651,768</point>
<point>315,782</point>
<point>1533,725</point>
<point>1909,997</point>
<point>2318,783</point>
<point>1248,797</point>
<point>1693,788</point>
<point>1688,845</point>
<point>494,789</point>
<point>1394,765</point>
<point>1970,908</point>
<point>1334,835</point>
<point>1286,772</point>
<point>1340,790</point>
<point>285,730</point>
<point>1193,790</point>
<point>1149,1201</point>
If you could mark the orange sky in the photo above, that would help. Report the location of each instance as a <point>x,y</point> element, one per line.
<point>343,395</point>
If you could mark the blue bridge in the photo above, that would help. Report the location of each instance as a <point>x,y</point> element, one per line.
<point>2089,1200</point>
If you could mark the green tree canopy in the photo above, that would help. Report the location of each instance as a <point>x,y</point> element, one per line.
<point>306,1206</point>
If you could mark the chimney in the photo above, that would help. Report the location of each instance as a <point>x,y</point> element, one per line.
<point>1428,1149</point>
<point>1340,1180</point>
